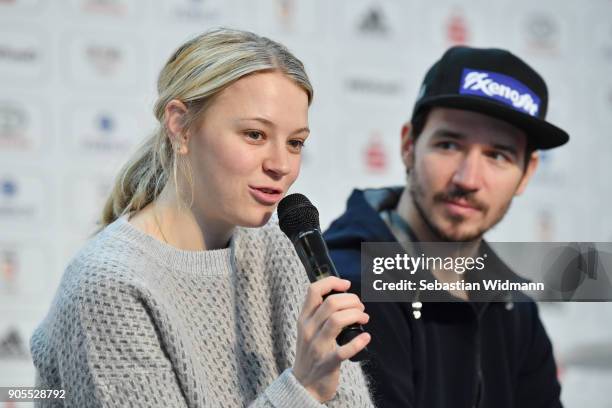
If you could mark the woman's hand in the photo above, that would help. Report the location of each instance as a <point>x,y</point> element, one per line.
<point>318,357</point>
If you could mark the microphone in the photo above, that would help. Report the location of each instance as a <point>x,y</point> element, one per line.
<point>299,220</point>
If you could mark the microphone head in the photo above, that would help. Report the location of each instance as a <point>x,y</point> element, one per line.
<point>296,214</point>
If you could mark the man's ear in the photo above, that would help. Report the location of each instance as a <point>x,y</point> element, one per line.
<point>534,159</point>
<point>407,146</point>
<point>175,115</point>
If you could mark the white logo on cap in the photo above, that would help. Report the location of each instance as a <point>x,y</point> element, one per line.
<point>480,81</point>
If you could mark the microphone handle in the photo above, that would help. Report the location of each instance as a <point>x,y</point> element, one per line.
<point>314,255</point>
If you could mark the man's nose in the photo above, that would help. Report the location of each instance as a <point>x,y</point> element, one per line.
<point>468,175</point>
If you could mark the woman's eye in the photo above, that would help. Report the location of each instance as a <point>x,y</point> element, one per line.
<point>296,144</point>
<point>254,135</point>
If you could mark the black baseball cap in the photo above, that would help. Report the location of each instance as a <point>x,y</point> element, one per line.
<point>494,82</point>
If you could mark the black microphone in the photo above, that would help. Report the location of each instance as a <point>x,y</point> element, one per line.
<point>299,220</point>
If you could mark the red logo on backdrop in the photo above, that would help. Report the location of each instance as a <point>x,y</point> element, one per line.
<point>545,226</point>
<point>8,270</point>
<point>110,7</point>
<point>375,154</point>
<point>457,32</point>
<point>286,12</point>
<point>14,121</point>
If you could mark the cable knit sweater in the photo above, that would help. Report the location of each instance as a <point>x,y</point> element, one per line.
<point>136,322</point>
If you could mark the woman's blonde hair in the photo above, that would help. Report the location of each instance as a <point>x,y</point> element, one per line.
<point>197,71</point>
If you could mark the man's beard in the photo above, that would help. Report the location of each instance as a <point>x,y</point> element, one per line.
<point>417,193</point>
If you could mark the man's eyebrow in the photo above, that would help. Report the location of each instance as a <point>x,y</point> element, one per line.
<point>509,148</point>
<point>271,124</point>
<point>448,133</point>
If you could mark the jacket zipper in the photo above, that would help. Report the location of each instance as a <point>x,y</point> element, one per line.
<point>479,389</point>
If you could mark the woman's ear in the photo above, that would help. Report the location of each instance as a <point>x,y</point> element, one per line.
<point>175,115</point>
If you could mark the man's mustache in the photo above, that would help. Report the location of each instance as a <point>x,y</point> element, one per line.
<point>465,195</point>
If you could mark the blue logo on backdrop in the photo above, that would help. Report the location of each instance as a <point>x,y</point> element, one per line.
<point>501,88</point>
<point>9,188</point>
<point>105,123</point>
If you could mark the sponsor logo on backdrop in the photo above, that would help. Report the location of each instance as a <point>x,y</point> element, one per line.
<point>375,157</point>
<point>20,200</point>
<point>21,123</point>
<point>541,32</point>
<point>373,22</point>
<point>117,8</point>
<point>285,12</point>
<point>374,86</point>
<point>194,9</point>
<point>551,171</point>
<point>500,87</point>
<point>9,268</point>
<point>14,123</point>
<point>457,31</point>
<point>20,5</point>
<point>109,131</point>
<point>12,345</point>
<point>545,226</point>
<point>8,188</point>
<point>21,55</point>
<point>20,268</point>
<point>106,60</point>
<point>18,55</point>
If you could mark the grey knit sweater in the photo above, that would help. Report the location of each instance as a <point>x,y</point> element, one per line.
<point>138,323</point>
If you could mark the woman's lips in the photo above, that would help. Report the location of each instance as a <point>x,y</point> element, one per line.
<point>266,195</point>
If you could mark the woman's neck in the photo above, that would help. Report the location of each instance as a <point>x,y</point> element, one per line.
<point>170,221</point>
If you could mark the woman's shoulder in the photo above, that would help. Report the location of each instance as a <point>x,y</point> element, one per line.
<point>105,261</point>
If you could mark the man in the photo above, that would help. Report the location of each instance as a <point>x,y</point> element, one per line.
<point>470,147</point>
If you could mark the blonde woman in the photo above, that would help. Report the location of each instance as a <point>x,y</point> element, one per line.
<point>179,301</point>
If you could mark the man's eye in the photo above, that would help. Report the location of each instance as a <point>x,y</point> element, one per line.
<point>254,135</point>
<point>500,157</point>
<point>447,145</point>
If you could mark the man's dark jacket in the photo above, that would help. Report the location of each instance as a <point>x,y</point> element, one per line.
<point>458,354</point>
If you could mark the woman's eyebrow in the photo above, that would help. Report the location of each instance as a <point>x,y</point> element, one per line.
<point>271,124</point>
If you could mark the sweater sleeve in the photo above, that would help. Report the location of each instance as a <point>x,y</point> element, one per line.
<point>289,287</point>
<point>100,344</point>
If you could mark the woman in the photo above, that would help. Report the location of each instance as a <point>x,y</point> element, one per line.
<point>175,303</point>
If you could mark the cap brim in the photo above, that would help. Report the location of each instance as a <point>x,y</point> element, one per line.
<point>541,134</point>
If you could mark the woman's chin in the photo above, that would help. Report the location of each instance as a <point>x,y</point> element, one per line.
<point>256,221</point>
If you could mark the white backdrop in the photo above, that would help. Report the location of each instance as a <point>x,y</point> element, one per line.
<point>77,86</point>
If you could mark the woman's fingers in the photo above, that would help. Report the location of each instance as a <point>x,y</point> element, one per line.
<point>318,357</point>
<point>339,320</point>
<point>320,288</point>
<point>332,304</point>
<point>352,347</point>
